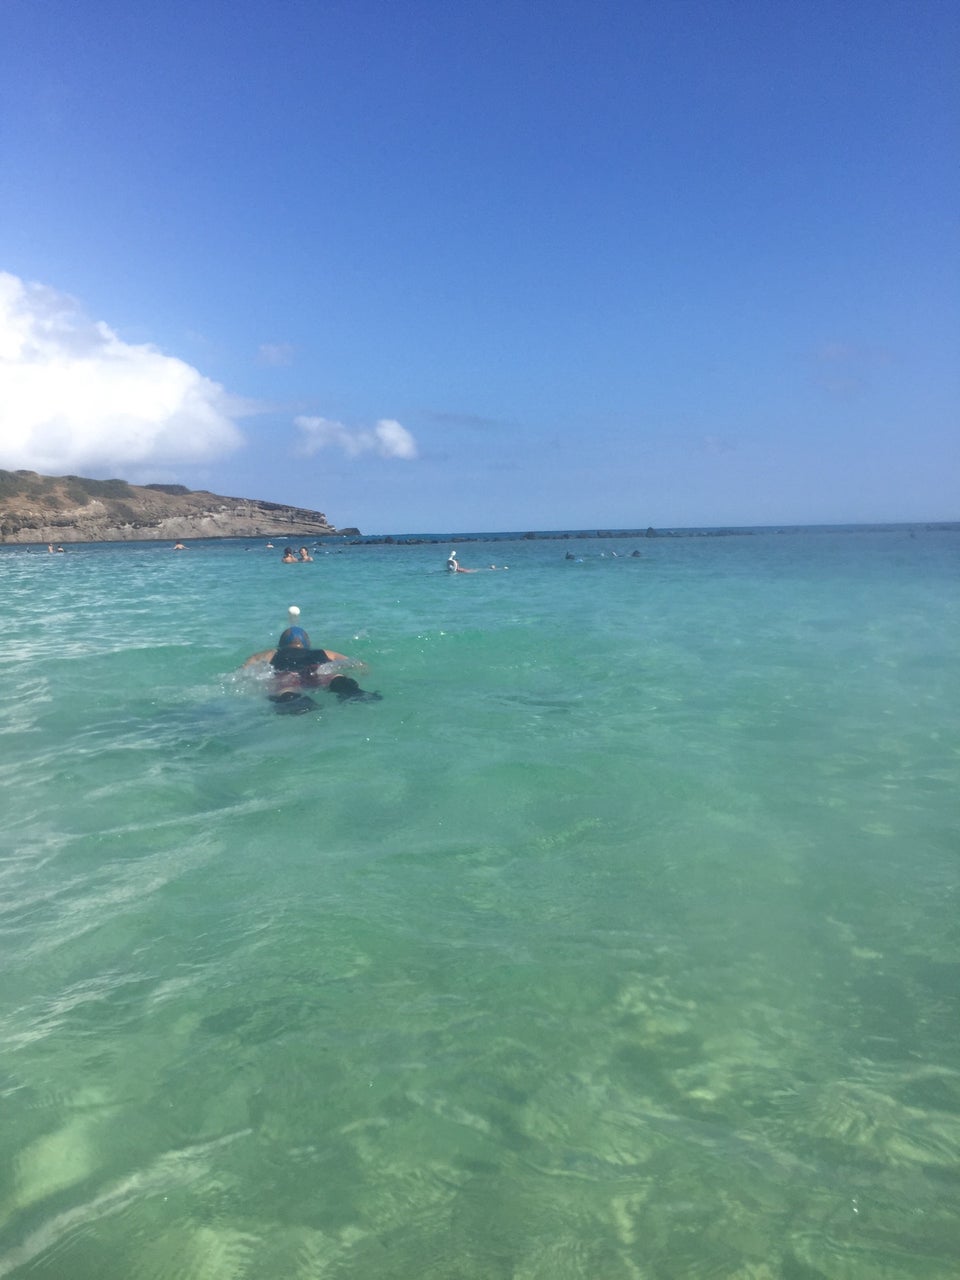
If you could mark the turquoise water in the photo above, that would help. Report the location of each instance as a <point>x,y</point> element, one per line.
<point>619,941</point>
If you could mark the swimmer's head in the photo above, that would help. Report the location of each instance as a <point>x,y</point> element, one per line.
<point>294,638</point>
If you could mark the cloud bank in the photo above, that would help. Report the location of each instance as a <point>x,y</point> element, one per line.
<point>73,395</point>
<point>388,439</point>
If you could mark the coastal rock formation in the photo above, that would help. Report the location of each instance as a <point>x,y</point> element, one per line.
<point>35,508</point>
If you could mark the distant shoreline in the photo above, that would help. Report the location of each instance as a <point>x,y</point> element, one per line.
<point>542,535</point>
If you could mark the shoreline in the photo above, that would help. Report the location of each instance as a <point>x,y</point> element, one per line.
<point>354,539</point>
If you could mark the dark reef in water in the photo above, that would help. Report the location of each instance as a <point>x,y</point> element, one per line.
<point>438,539</point>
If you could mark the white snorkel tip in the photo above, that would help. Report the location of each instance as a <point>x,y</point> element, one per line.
<point>293,613</point>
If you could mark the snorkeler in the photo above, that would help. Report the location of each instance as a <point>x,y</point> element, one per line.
<point>296,666</point>
<point>454,566</point>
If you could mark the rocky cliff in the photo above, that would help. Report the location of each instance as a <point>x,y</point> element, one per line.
<point>35,508</point>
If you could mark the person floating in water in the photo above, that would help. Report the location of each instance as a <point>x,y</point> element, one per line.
<point>453,565</point>
<point>289,556</point>
<point>305,555</point>
<point>297,666</point>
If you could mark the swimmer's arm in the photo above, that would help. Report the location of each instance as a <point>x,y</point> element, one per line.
<point>355,663</point>
<point>343,657</point>
<point>259,657</point>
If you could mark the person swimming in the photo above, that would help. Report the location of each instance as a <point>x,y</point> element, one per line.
<point>454,566</point>
<point>296,666</point>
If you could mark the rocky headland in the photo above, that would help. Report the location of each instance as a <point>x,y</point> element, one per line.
<point>61,509</point>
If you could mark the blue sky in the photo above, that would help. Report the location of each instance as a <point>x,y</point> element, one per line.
<point>454,266</point>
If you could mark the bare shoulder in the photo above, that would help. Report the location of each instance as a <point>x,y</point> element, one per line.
<point>265,656</point>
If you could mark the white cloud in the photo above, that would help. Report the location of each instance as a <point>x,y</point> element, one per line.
<point>716,445</point>
<point>388,438</point>
<point>73,395</point>
<point>276,354</point>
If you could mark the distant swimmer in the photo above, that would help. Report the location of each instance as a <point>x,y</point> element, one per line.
<point>453,565</point>
<point>179,547</point>
<point>305,555</point>
<point>297,666</point>
<point>289,556</point>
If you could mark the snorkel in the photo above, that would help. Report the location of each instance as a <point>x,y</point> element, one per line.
<point>293,648</point>
<point>294,636</point>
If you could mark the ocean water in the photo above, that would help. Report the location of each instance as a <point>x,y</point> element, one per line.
<point>619,941</point>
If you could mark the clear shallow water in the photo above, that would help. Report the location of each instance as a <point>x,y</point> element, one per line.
<point>619,940</point>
